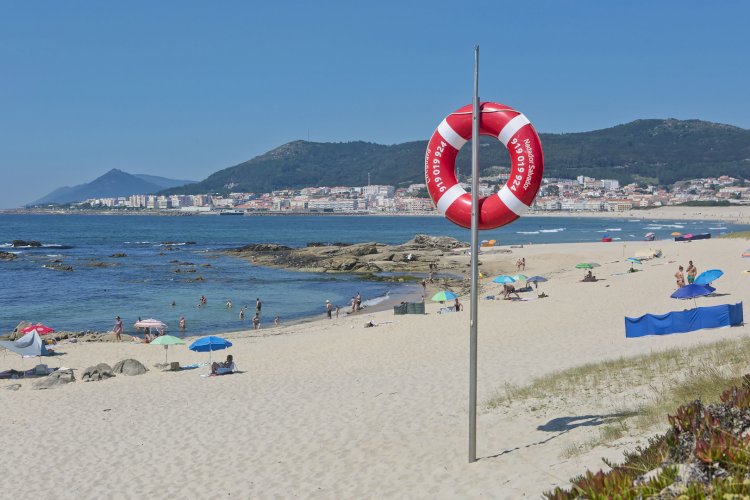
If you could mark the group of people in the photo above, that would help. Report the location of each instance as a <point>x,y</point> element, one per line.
<point>521,264</point>
<point>691,272</point>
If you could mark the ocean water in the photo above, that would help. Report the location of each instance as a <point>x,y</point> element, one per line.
<point>144,282</point>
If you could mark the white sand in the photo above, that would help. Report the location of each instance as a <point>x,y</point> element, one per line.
<point>331,409</point>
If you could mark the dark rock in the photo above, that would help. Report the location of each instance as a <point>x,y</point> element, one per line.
<point>58,267</point>
<point>24,243</point>
<point>262,247</point>
<point>129,367</point>
<point>101,371</point>
<point>55,379</point>
<point>7,256</point>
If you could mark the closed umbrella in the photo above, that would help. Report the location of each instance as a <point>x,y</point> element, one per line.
<point>706,277</point>
<point>444,296</point>
<point>209,344</point>
<point>166,341</point>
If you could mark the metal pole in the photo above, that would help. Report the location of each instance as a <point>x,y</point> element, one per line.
<point>475,116</point>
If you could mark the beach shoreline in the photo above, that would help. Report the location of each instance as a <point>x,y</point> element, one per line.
<point>331,408</point>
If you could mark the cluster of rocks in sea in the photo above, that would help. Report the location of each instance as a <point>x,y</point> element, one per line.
<point>7,256</point>
<point>416,255</point>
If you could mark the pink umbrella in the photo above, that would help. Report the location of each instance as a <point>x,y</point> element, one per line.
<point>40,329</point>
<point>688,236</point>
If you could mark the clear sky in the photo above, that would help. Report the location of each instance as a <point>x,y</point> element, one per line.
<point>182,88</point>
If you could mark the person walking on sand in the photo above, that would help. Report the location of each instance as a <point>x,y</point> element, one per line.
<point>256,322</point>
<point>329,308</point>
<point>337,312</point>
<point>680,277</point>
<point>182,325</point>
<point>523,264</point>
<point>118,329</point>
<point>692,272</point>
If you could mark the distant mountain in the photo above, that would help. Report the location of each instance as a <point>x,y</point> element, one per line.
<point>163,182</point>
<point>661,151</point>
<point>112,184</point>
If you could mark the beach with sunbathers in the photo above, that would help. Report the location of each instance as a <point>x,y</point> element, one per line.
<point>329,408</point>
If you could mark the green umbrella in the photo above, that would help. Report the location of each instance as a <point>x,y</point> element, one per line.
<point>520,277</point>
<point>166,341</point>
<point>444,296</point>
<point>587,265</point>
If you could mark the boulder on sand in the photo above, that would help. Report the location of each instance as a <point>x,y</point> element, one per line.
<point>55,379</point>
<point>129,367</point>
<point>101,371</point>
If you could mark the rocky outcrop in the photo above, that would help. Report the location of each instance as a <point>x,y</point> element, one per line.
<point>7,256</point>
<point>25,243</point>
<point>129,367</point>
<point>55,379</point>
<point>415,255</point>
<point>102,371</point>
<point>58,267</point>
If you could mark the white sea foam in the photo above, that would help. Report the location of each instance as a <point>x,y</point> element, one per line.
<point>376,300</point>
<point>527,232</point>
<point>717,228</point>
<point>614,229</point>
<point>634,220</point>
<point>559,229</point>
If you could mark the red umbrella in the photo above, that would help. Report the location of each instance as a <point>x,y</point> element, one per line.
<point>40,329</point>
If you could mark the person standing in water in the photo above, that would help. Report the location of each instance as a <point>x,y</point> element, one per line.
<point>182,325</point>
<point>257,306</point>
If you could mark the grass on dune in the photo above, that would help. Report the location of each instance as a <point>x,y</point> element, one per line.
<point>649,386</point>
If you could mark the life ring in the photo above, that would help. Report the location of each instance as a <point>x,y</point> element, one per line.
<point>516,133</point>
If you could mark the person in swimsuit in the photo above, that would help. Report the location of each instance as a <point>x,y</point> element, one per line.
<point>680,277</point>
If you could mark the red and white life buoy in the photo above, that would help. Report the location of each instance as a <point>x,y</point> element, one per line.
<point>511,128</point>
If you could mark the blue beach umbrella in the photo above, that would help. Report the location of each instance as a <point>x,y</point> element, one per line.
<point>634,260</point>
<point>209,344</point>
<point>707,277</point>
<point>444,296</point>
<point>537,279</point>
<point>504,280</point>
<point>692,291</point>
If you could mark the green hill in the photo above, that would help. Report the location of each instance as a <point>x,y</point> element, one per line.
<point>664,150</point>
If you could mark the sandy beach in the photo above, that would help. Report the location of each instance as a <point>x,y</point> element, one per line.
<point>331,409</point>
<point>734,213</point>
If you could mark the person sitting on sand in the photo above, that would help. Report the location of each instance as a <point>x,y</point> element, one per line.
<point>589,276</point>
<point>227,366</point>
<point>457,305</point>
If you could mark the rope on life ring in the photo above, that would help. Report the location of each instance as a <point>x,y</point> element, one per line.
<point>516,133</point>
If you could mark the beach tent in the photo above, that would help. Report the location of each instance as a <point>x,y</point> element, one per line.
<point>29,345</point>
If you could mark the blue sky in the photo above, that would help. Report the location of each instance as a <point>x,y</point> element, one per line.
<point>182,89</point>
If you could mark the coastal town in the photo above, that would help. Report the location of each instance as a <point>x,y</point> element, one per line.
<point>583,194</point>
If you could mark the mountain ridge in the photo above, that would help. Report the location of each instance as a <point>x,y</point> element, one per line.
<point>112,184</point>
<point>659,150</point>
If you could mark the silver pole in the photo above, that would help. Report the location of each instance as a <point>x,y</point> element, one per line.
<point>475,116</point>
